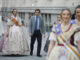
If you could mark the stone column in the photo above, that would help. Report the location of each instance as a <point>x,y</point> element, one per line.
<point>26,20</point>
<point>44,18</point>
<point>48,19</point>
<point>53,18</point>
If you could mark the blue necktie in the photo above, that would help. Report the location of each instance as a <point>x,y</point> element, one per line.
<point>36,23</point>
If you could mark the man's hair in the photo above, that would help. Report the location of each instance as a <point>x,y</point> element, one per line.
<point>37,10</point>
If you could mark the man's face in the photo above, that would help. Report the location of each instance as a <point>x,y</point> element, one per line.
<point>37,13</point>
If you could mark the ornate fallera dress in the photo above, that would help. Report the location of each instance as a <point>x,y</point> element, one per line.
<point>14,40</point>
<point>63,50</point>
<point>1,26</point>
<point>1,32</point>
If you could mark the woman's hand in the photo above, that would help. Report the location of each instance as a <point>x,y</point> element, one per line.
<point>30,34</point>
<point>47,57</point>
<point>78,46</point>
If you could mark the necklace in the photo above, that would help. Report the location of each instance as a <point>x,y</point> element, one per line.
<point>66,27</point>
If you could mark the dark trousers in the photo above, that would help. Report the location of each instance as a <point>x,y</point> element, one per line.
<point>36,34</point>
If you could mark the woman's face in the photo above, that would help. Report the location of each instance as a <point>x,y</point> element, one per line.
<point>66,16</point>
<point>15,12</point>
<point>78,13</point>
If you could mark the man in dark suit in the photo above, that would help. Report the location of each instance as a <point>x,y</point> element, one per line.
<point>36,30</point>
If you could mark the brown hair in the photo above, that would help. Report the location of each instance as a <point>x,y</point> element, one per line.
<point>37,10</point>
<point>76,8</point>
<point>13,10</point>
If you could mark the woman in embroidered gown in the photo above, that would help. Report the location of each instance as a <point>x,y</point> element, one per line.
<point>76,21</point>
<point>1,32</point>
<point>14,41</point>
<point>1,26</point>
<point>60,47</point>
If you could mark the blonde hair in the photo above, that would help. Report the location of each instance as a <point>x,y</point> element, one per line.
<point>63,11</point>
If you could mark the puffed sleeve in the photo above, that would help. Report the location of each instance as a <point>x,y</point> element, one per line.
<point>52,36</point>
<point>9,22</point>
<point>19,20</point>
<point>77,38</point>
<point>53,28</point>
